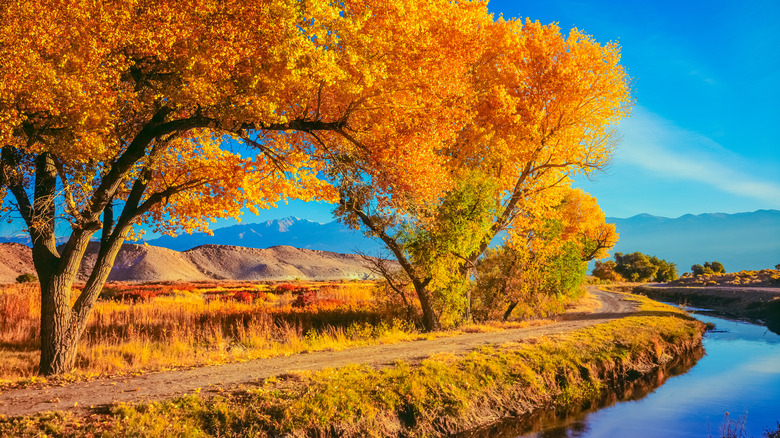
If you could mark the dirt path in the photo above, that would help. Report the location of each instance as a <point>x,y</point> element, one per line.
<point>156,386</point>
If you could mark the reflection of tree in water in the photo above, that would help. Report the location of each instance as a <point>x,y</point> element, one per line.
<point>571,421</point>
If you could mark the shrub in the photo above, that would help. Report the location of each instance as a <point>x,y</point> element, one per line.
<point>26,278</point>
<point>305,299</point>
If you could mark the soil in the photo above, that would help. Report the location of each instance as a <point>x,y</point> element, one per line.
<point>215,379</point>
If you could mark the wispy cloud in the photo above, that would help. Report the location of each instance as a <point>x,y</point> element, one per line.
<point>659,146</point>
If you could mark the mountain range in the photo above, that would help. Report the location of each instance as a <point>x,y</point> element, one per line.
<point>291,231</point>
<point>739,241</point>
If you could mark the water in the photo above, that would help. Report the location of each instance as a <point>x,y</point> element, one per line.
<point>739,375</point>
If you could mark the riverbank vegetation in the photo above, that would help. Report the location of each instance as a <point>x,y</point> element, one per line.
<point>440,395</point>
<point>745,278</point>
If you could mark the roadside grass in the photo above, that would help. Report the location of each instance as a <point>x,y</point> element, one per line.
<point>165,326</point>
<point>153,327</point>
<point>439,395</point>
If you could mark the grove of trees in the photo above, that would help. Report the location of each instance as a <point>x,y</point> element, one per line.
<point>636,267</point>
<point>708,268</point>
<point>432,124</point>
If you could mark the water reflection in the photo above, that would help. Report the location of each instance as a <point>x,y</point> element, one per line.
<point>740,374</point>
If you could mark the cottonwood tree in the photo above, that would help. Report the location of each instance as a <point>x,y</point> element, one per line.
<point>552,260</point>
<point>114,114</point>
<point>542,109</point>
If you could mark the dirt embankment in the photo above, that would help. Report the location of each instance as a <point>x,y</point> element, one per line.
<point>214,379</point>
<point>759,304</point>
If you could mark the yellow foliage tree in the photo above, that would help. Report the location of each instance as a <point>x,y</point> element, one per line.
<point>551,261</point>
<point>125,112</point>
<point>541,108</point>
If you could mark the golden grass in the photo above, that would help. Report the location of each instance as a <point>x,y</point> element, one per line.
<point>437,396</point>
<point>197,327</point>
<point>191,325</point>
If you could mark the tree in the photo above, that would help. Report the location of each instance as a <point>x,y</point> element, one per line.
<point>666,271</point>
<point>552,261</point>
<point>606,271</point>
<point>126,113</point>
<point>543,107</point>
<point>430,251</point>
<point>715,267</point>
<point>641,267</point>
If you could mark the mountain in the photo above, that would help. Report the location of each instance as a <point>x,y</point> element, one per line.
<point>740,241</point>
<point>207,262</point>
<point>291,231</point>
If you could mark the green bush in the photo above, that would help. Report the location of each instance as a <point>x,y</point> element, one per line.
<point>26,278</point>
<point>636,267</point>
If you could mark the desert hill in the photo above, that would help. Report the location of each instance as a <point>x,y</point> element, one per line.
<point>15,260</point>
<point>206,262</point>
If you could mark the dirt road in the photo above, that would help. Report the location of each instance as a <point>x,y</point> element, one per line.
<point>156,386</point>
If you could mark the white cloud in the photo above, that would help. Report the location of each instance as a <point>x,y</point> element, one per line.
<point>659,146</point>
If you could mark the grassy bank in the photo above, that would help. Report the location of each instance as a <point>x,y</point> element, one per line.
<point>440,395</point>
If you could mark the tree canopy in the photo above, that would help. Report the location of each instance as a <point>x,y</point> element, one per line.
<point>541,109</point>
<point>119,113</point>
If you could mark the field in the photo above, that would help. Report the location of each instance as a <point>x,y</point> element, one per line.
<point>162,326</point>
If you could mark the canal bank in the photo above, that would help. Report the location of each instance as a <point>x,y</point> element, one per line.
<point>733,391</point>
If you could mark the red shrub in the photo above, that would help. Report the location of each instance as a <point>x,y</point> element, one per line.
<point>305,299</point>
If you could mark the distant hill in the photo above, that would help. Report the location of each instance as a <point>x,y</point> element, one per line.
<point>739,241</point>
<point>206,262</point>
<point>15,260</point>
<point>291,231</point>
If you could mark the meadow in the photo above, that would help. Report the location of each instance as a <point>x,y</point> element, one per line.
<point>161,326</point>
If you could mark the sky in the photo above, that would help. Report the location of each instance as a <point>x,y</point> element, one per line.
<point>702,136</point>
<point>703,133</point>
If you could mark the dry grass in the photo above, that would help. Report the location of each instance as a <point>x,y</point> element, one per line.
<point>163,326</point>
<point>762,278</point>
<point>182,325</point>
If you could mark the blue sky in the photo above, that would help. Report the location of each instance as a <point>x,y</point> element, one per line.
<point>703,135</point>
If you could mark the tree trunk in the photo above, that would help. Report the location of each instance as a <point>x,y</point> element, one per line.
<point>430,321</point>
<point>509,310</point>
<point>58,345</point>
